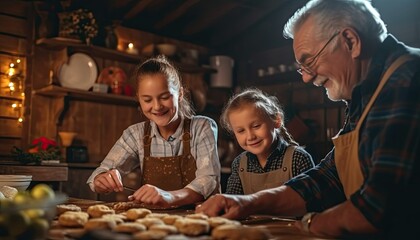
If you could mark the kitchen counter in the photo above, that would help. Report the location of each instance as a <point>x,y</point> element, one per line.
<point>50,172</point>
<point>279,227</point>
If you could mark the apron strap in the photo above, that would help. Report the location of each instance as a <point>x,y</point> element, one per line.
<point>288,159</point>
<point>147,139</point>
<point>396,64</point>
<point>186,137</point>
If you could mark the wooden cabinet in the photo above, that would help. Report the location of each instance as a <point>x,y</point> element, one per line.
<point>98,118</point>
<point>76,185</point>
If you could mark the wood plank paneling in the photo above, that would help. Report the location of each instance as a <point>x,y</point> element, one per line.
<point>13,45</point>
<point>10,128</point>
<point>13,25</point>
<point>16,8</point>
<point>6,145</point>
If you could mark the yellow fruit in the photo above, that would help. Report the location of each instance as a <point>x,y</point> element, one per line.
<point>34,213</point>
<point>42,191</point>
<point>22,198</point>
<point>6,203</point>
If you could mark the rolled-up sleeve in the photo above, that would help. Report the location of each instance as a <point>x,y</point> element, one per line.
<point>124,155</point>
<point>204,149</point>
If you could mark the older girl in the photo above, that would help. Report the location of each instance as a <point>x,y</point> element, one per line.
<point>175,150</point>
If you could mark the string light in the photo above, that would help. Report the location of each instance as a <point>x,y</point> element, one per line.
<point>12,70</point>
<point>14,83</point>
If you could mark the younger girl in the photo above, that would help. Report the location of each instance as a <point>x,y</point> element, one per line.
<point>175,150</point>
<point>271,156</point>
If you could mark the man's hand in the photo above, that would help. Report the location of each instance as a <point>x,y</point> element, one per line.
<point>229,206</point>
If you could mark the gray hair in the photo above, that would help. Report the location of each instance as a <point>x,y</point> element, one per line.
<point>332,15</point>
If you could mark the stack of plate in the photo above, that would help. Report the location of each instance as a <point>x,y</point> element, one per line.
<point>20,182</point>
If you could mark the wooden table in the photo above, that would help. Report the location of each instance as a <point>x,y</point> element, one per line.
<point>52,173</point>
<point>279,227</point>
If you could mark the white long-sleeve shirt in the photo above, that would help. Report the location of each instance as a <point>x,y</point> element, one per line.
<point>128,152</point>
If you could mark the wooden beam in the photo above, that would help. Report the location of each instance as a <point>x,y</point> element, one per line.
<point>209,18</point>
<point>176,13</point>
<point>138,8</point>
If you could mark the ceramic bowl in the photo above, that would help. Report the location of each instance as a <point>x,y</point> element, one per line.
<point>19,185</point>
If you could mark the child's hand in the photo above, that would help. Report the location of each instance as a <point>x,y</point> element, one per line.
<point>108,182</point>
<point>151,195</point>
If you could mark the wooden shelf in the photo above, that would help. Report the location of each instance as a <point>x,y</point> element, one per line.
<point>74,46</point>
<point>107,98</point>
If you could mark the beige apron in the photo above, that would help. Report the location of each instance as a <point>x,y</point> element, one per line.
<point>169,173</point>
<point>254,182</point>
<point>346,153</point>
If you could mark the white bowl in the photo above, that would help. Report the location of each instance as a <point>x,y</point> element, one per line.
<point>166,49</point>
<point>20,186</point>
<point>15,177</point>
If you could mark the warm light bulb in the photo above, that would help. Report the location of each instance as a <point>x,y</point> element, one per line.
<point>11,84</point>
<point>18,60</point>
<point>130,45</point>
<point>14,105</point>
<point>22,94</point>
<point>20,119</point>
<point>11,72</point>
<point>11,65</point>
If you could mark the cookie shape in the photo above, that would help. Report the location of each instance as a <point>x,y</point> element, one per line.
<point>117,218</point>
<point>73,219</point>
<point>98,210</point>
<point>238,232</point>
<point>150,234</point>
<point>62,208</point>
<point>170,219</point>
<point>136,213</point>
<point>149,221</point>
<point>217,221</point>
<point>157,215</point>
<point>129,227</point>
<point>192,227</point>
<point>197,216</point>
<point>99,223</point>
<point>169,229</point>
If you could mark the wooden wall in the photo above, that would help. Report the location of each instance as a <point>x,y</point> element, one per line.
<point>15,43</point>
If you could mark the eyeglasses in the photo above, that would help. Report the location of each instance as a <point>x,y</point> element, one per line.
<point>305,67</point>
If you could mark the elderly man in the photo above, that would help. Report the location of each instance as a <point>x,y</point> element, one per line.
<point>369,184</point>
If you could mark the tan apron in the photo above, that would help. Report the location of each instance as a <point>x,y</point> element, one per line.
<point>346,155</point>
<point>169,173</point>
<point>254,182</point>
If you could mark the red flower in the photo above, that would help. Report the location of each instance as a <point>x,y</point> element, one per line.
<point>44,143</point>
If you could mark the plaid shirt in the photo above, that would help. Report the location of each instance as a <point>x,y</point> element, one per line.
<point>128,153</point>
<point>389,145</point>
<point>301,161</point>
